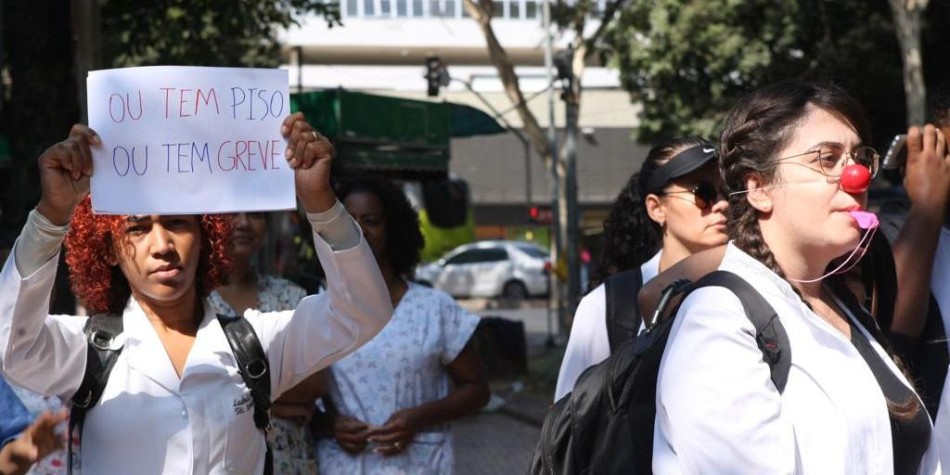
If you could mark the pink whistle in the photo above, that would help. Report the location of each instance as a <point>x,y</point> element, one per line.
<point>865,219</point>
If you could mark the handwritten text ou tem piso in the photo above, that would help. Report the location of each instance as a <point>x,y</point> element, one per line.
<point>244,103</point>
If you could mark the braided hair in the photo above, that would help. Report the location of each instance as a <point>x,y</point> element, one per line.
<point>756,130</point>
<point>630,236</point>
<point>759,126</point>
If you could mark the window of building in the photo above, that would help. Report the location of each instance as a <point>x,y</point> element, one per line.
<point>532,10</point>
<point>507,9</point>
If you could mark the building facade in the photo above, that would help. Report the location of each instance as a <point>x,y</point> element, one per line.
<point>382,48</point>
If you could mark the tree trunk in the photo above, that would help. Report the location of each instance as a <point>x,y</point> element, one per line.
<point>567,230</point>
<point>907,15</point>
<point>506,72</point>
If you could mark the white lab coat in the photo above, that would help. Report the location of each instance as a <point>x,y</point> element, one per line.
<point>588,343</point>
<point>149,421</point>
<point>718,411</point>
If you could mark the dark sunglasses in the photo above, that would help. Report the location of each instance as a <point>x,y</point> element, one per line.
<point>705,194</point>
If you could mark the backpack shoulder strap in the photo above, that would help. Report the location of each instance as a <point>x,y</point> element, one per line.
<point>252,364</point>
<point>101,355</point>
<point>623,311</point>
<point>770,334</point>
<point>100,332</point>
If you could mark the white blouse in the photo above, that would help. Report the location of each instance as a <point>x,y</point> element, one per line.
<point>719,412</point>
<point>151,421</point>
<point>588,344</point>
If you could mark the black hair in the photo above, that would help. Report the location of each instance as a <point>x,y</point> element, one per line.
<point>940,104</point>
<point>404,240</point>
<point>630,236</point>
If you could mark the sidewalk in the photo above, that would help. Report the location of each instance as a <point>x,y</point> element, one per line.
<point>501,439</point>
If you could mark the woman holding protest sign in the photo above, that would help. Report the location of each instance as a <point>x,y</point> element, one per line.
<point>794,156</point>
<point>175,400</point>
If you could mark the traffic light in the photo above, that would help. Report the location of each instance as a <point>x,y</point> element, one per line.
<point>436,75</point>
<point>533,214</point>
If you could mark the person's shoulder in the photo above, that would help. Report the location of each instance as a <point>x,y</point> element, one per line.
<point>595,301</point>
<point>281,286</point>
<point>424,292</point>
<point>437,299</point>
<point>280,282</point>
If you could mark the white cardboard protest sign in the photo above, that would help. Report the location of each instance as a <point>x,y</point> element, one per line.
<point>189,140</point>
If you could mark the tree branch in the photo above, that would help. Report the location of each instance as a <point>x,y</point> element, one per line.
<point>506,72</point>
<point>591,42</point>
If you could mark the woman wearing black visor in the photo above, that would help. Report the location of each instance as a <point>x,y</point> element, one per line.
<point>673,207</point>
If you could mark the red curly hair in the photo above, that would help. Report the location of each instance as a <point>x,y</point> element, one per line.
<point>102,288</point>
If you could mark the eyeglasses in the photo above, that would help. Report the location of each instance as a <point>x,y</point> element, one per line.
<point>830,162</point>
<point>705,194</point>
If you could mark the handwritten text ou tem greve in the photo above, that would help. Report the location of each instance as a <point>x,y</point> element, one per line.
<point>195,157</point>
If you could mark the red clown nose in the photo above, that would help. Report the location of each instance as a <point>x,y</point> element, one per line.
<point>855,179</point>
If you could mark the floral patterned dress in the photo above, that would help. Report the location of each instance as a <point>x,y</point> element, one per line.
<point>402,367</point>
<point>36,403</point>
<point>292,445</point>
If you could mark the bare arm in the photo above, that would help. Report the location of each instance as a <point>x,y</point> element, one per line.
<point>692,268</point>
<point>928,184</point>
<point>298,404</point>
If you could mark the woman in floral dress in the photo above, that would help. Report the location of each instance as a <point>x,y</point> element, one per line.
<point>290,439</point>
<point>392,400</point>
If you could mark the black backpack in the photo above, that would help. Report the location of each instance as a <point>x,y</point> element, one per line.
<point>605,425</point>
<point>622,311</point>
<point>102,329</point>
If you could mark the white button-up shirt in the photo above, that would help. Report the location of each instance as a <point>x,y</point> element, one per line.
<point>151,421</point>
<point>719,412</point>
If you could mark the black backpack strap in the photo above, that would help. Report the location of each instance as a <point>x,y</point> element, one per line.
<point>770,334</point>
<point>623,311</point>
<point>252,364</point>
<point>100,332</point>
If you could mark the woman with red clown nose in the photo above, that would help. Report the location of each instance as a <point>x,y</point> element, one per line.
<point>796,160</point>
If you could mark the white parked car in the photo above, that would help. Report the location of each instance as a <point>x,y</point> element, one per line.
<point>510,269</point>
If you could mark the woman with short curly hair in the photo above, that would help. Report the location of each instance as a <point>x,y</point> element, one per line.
<point>102,287</point>
<point>175,400</point>
<point>673,207</point>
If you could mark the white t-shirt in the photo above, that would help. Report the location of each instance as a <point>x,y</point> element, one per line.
<point>588,344</point>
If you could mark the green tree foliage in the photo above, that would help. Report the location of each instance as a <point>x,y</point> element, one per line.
<point>38,57</point>
<point>201,32</point>
<point>687,62</point>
